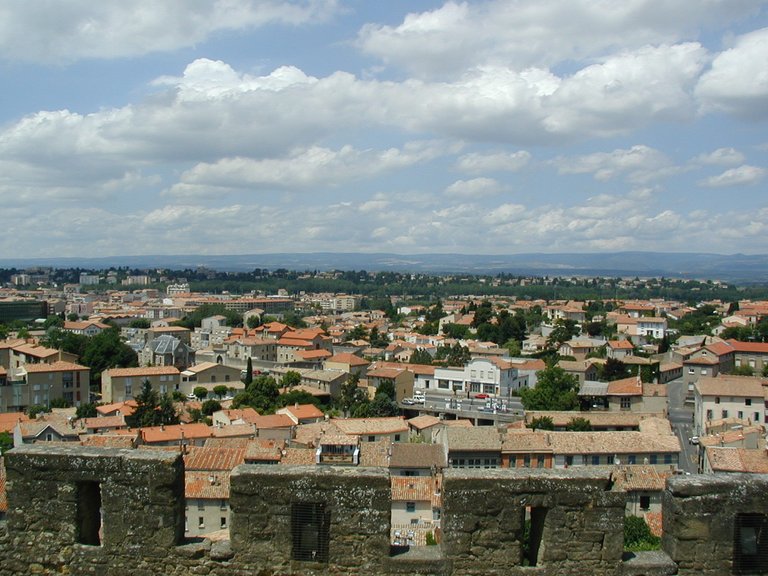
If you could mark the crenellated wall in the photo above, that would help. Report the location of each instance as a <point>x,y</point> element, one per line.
<point>110,512</point>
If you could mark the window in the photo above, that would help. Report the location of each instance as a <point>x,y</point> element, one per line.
<point>371,438</point>
<point>654,459</point>
<point>310,531</point>
<point>667,458</point>
<point>397,437</point>
<point>750,544</point>
<point>691,370</point>
<point>703,371</point>
<point>540,461</point>
<point>645,502</point>
<point>625,403</point>
<point>740,415</point>
<point>223,521</point>
<point>200,504</point>
<point>223,504</point>
<point>569,461</point>
<point>527,461</point>
<point>717,399</point>
<point>757,417</point>
<point>410,506</point>
<point>709,415</point>
<point>595,460</point>
<point>128,389</point>
<point>725,413</point>
<point>631,459</point>
<point>88,513</point>
<point>748,402</point>
<point>200,522</point>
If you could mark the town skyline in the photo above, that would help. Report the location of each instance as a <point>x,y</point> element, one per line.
<point>412,127</point>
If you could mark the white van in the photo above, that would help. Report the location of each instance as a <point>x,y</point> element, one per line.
<point>418,396</point>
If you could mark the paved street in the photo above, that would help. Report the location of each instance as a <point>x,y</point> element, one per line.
<point>681,418</point>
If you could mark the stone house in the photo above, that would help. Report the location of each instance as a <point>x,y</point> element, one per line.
<point>121,384</point>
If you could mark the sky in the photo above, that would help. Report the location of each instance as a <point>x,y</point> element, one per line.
<point>479,127</point>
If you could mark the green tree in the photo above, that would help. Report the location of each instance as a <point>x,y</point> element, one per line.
<point>382,405</point>
<point>351,394</point>
<point>555,390</point>
<point>86,411</point>
<point>297,397</point>
<point>200,392</point>
<point>210,406</point>
<point>6,442</point>
<point>579,424</point>
<point>290,379</point>
<point>220,390</point>
<point>614,369</point>
<point>253,321</point>
<point>53,320</point>
<point>248,372</point>
<point>263,393</point>
<point>36,409</point>
<point>358,333</point>
<point>106,350</point>
<point>638,536</point>
<point>387,388</point>
<point>743,370</point>
<point>562,331</point>
<point>420,356</point>
<point>142,323</point>
<point>542,423</point>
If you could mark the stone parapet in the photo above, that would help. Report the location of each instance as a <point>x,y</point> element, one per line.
<point>111,512</point>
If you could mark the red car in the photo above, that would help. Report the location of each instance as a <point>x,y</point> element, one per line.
<point>481,396</point>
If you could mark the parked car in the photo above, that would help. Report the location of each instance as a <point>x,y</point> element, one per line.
<point>693,440</point>
<point>482,396</point>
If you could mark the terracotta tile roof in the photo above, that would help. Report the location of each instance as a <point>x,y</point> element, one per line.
<point>639,478</point>
<point>300,456</point>
<point>412,488</point>
<point>203,366</point>
<point>375,454</point>
<point>35,350</point>
<point>423,421</point>
<point>481,438</point>
<point>125,408</point>
<point>313,354</point>
<point>720,348</point>
<point>143,371</point>
<point>348,358</point>
<point>244,430</point>
<point>610,443</point>
<point>205,458</point>
<point>655,522</point>
<point>8,420</point>
<point>526,441</point>
<point>741,386</point>
<point>238,442</point>
<point>724,459</point>
<point>597,418</point>
<point>295,342</point>
<point>416,455</point>
<point>175,433</point>
<point>206,486</point>
<point>362,426</point>
<point>59,366</point>
<point>385,372</point>
<point>626,387</point>
<point>263,450</point>
<point>620,345</point>
<point>753,347</point>
<point>273,421</point>
<point>103,422</point>
<point>660,425</point>
<point>702,360</point>
<point>304,411</point>
<point>109,440</point>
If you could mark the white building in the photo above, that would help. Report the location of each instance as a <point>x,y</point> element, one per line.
<point>741,397</point>
<point>481,375</point>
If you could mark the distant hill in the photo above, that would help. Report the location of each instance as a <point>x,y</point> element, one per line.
<point>739,268</point>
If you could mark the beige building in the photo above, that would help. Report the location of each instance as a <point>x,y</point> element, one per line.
<point>40,384</point>
<point>208,375</point>
<point>121,384</point>
<point>741,397</point>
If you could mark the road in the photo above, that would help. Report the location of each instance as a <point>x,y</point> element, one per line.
<point>461,406</point>
<point>681,418</point>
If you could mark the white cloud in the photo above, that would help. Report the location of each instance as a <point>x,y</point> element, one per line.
<point>75,29</point>
<point>742,176</point>
<point>638,164</point>
<point>738,79</point>
<point>720,157</point>
<point>627,91</point>
<point>521,34</point>
<point>475,163</point>
<point>304,168</point>
<point>474,188</point>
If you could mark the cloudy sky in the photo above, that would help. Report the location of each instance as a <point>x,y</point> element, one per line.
<point>410,126</point>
